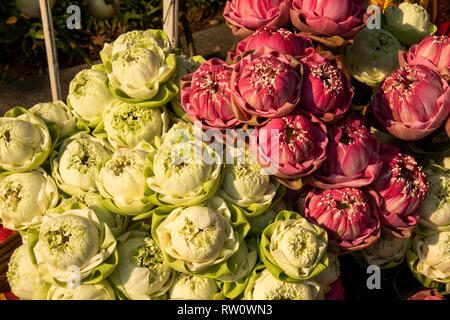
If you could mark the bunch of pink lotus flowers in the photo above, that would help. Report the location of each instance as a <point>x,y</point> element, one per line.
<point>286,75</point>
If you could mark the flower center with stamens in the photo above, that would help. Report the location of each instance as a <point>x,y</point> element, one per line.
<point>441,39</point>
<point>407,171</point>
<point>332,79</point>
<point>265,71</point>
<point>212,81</point>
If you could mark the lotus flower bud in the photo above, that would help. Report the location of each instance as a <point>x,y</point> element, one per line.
<point>25,198</point>
<point>296,246</point>
<point>246,16</point>
<point>296,143</point>
<point>326,92</point>
<point>409,22</point>
<point>349,215</point>
<point>279,39</point>
<point>433,52</point>
<point>246,186</point>
<point>58,113</point>
<point>267,287</point>
<point>199,236</point>
<point>89,96</point>
<point>74,238</point>
<point>352,157</point>
<point>412,102</point>
<point>435,210</point>
<point>121,179</point>
<point>190,287</point>
<point>184,172</point>
<point>206,95</point>
<point>429,260</point>
<point>403,186</point>
<point>75,167</point>
<point>130,126</point>
<point>264,85</point>
<point>141,273</point>
<point>380,49</point>
<point>328,18</point>
<point>23,277</point>
<point>25,142</point>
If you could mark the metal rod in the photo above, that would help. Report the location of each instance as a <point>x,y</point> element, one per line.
<point>50,46</point>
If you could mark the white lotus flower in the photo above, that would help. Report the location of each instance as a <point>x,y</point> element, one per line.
<point>245,186</point>
<point>139,71</point>
<point>89,95</point>
<point>298,246</point>
<point>137,38</point>
<point>184,172</point>
<point>129,126</point>
<point>409,22</point>
<point>76,238</point>
<point>200,236</point>
<point>75,167</point>
<point>121,178</point>
<point>434,256</point>
<point>435,210</point>
<point>380,51</point>
<point>267,287</point>
<point>58,113</point>
<point>25,197</point>
<point>190,287</point>
<point>23,276</point>
<point>141,273</point>
<point>98,291</point>
<point>25,142</point>
<point>388,249</point>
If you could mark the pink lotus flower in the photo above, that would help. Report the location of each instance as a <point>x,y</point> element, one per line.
<point>352,157</point>
<point>433,52</point>
<point>412,102</point>
<point>300,145</point>
<point>245,16</point>
<point>427,295</point>
<point>279,39</point>
<point>206,95</point>
<point>326,92</point>
<point>403,187</point>
<point>343,18</point>
<point>265,85</point>
<point>349,215</point>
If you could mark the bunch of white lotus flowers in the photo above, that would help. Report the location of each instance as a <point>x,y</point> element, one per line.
<point>113,202</point>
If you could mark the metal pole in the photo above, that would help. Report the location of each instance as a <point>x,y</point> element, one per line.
<point>170,20</point>
<point>50,46</point>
